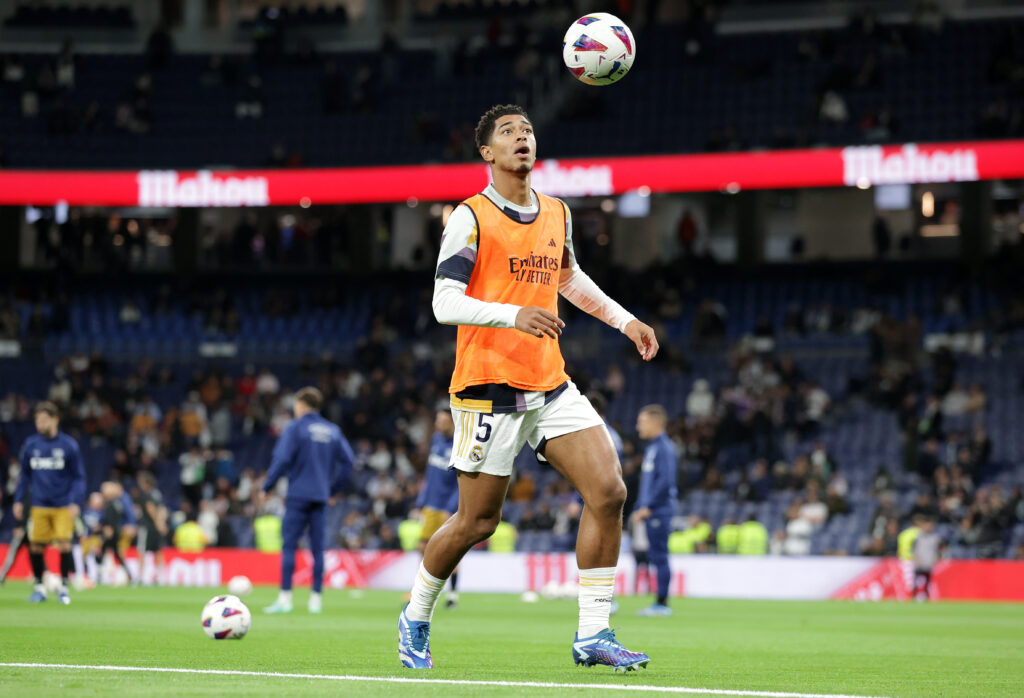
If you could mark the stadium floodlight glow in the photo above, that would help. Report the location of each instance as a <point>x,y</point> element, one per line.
<point>870,166</point>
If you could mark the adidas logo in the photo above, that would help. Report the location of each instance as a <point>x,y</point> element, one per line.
<point>551,243</point>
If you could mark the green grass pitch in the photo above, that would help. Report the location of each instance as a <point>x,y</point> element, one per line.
<point>885,649</point>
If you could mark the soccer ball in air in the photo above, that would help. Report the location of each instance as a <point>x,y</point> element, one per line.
<point>239,586</point>
<point>598,49</point>
<point>226,618</point>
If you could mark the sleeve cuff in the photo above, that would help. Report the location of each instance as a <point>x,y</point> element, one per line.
<point>509,314</point>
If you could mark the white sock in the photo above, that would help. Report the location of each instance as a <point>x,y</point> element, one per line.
<point>314,597</point>
<point>596,588</point>
<point>76,553</point>
<point>41,589</point>
<point>284,596</point>
<point>425,591</point>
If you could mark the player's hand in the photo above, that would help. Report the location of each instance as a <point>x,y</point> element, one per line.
<point>641,514</point>
<point>538,322</point>
<point>73,508</point>
<point>644,339</point>
<point>18,510</point>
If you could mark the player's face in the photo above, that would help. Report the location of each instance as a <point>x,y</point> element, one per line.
<point>45,423</point>
<point>513,146</point>
<point>641,425</point>
<point>647,425</point>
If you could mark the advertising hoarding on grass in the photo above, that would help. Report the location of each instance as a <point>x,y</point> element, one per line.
<point>697,576</point>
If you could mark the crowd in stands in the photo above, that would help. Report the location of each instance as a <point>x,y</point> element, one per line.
<point>752,432</point>
<point>388,420</point>
<point>860,83</point>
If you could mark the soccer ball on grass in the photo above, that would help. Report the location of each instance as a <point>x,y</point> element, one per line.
<point>51,582</point>
<point>226,618</point>
<point>239,586</point>
<point>598,49</point>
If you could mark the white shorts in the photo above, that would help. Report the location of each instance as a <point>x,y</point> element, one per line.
<point>489,443</point>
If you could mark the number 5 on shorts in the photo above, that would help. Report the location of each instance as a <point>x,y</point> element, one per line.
<point>482,425</point>
<point>474,430</point>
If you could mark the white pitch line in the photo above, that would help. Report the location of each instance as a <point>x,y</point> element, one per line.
<point>440,682</point>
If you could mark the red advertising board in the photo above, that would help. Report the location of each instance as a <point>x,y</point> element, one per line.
<point>215,566</point>
<point>779,169</point>
<point>962,580</point>
<point>707,576</point>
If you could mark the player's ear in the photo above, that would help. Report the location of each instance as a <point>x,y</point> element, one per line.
<point>486,153</point>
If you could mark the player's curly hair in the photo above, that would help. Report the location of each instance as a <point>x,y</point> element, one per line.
<point>485,127</point>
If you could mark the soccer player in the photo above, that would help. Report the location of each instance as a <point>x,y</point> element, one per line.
<point>90,539</point>
<point>153,528</point>
<point>506,254</point>
<point>51,466</point>
<point>656,501</point>
<point>317,459</point>
<point>117,514</point>
<point>439,495</point>
<point>927,551</point>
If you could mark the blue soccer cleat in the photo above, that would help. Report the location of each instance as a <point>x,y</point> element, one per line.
<point>37,597</point>
<point>604,649</point>
<point>414,642</point>
<point>656,610</point>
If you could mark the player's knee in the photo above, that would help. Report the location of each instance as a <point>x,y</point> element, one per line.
<point>486,528</point>
<point>610,497</point>
<point>480,528</point>
<point>618,494</point>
